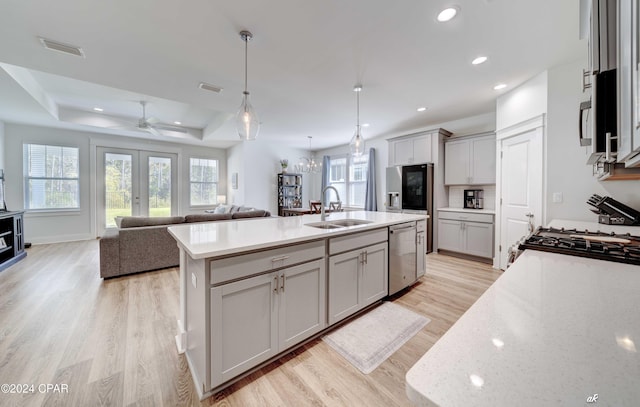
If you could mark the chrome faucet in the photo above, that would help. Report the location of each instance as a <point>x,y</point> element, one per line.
<point>323,216</point>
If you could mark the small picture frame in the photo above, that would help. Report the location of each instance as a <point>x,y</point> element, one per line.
<point>3,244</point>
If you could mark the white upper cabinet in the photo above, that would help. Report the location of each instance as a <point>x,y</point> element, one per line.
<point>628,89</point>
<point>470,161</point>
<point>410,150</point>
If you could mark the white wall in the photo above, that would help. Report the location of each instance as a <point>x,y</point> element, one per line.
<point>567,172</point>
<point>257,164</point>
<point>522,103</point>
<point>49,227</point>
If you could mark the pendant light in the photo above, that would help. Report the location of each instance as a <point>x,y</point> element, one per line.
<point>247,122</point>
<point>356,146</point>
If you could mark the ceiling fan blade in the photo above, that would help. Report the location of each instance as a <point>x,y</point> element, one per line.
<point>153,131</point>
<point>169,127</point>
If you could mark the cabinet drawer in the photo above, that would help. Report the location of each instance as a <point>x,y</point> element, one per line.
<point>421,226</point>
<point>466,216</point>
<point>357,240</point>
<point>233,268</point>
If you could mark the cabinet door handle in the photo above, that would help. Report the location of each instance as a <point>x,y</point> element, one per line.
<point>281,258</point>
<point>275,290</point>
<point>366,257</point>
<point>282,286</point>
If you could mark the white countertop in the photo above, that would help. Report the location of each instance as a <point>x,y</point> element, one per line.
<point>594,226</point>
<point>551,331</point>
<point>208,239</point>
<point>489,211</point>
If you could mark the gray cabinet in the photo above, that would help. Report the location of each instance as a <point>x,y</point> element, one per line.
<point>466,233</point>
<point>421,247</point>
<point>410,150</point>
<point>470,161</point>
<point>256,318</point>
<point>359,276</point>
<point>11,238</point>
<point>356,279</point>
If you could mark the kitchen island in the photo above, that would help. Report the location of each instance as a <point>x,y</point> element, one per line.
<point>251,290</point>
<point>553,330</point>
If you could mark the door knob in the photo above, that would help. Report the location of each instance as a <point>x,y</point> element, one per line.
<point>529,215</point>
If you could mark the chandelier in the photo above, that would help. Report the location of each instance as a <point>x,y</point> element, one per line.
<point>309,164</point>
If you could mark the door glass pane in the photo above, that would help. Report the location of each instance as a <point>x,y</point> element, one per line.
<point>159,186</point>
<point>118,186</point>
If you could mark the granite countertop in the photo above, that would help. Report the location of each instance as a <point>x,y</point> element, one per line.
<point>489,211</point>
<point>552,330</point>
<point>209,239</point>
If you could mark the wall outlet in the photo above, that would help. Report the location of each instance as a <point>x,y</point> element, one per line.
<point>557,197</point>
<point>194,280</point>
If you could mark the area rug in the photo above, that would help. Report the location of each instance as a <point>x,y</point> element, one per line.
<point>369,340</point>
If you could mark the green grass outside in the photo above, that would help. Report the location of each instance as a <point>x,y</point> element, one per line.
<point>112,213</point>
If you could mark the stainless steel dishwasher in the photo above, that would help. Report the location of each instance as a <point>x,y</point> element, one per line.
<point>402,256</point>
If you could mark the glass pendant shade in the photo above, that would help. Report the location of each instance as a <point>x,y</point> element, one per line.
<point>247,122</point>
<point>356,146</point>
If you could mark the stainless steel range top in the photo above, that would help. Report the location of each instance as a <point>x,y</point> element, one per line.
<point>622,248</point>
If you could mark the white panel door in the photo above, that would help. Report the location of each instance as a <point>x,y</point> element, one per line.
<point>521,180</point>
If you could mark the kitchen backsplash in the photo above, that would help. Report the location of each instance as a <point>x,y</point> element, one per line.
<point>456,195</point>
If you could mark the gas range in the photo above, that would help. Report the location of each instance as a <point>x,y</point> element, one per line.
<point>622,248</point>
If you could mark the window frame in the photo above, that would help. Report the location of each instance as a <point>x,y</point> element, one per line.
<point>27,178</point>
<point>216,182</point>
<point>348,182</point>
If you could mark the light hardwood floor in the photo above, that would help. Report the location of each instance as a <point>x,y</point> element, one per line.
<point>112,342</point>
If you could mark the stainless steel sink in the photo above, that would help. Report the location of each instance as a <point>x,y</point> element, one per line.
<point>350,222</point>
<point>338,223</point>
<point>323,225</point>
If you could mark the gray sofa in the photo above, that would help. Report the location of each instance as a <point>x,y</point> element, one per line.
<point>143,243</point>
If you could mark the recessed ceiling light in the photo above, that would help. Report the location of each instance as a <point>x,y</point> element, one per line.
<point>178,123</point>
<point>98,109</point>
<point>479,60</point>
<point>500,86</point>
<point>365,125</point>
<point>421,109</point>
<point>447,14</point>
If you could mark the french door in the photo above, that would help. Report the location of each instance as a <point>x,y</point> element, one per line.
<point>135,183</point>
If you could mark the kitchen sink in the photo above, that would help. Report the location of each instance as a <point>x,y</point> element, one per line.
<point>323,225</point>
<point>350,222</point>
<point>338,223</point>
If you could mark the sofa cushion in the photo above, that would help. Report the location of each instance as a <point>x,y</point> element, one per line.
<point>251,214</point>
<point>138,221</point>
<point>204,217</point>
<point>223,209</point>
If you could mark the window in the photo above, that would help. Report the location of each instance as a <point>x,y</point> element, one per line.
<point>51,177</point>
<point>348,175</point>
<point>204,181</point>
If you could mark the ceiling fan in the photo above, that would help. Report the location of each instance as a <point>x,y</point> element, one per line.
<point>153,125</point>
